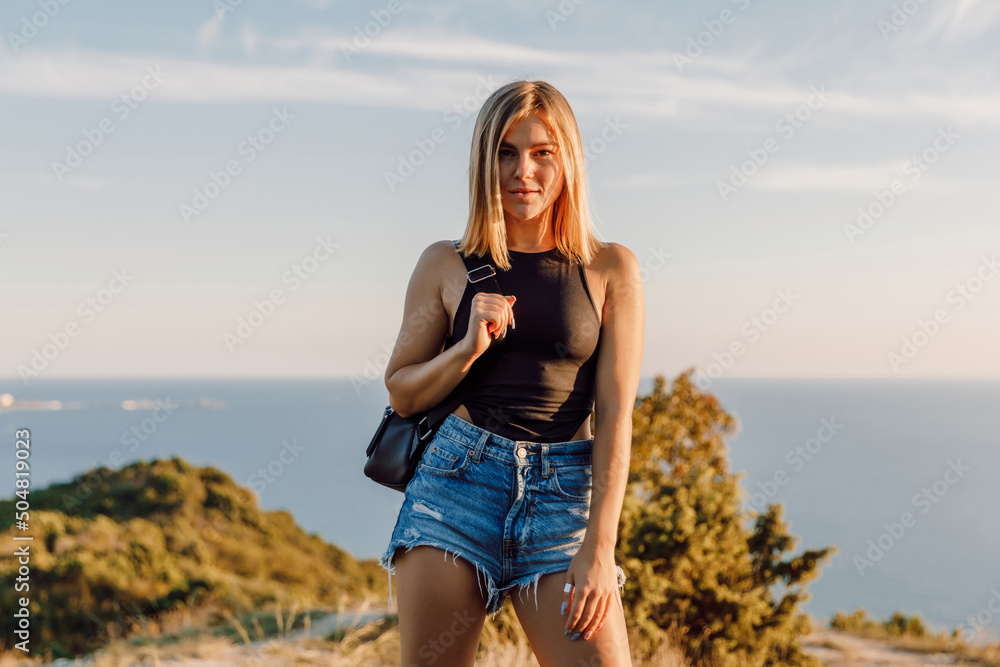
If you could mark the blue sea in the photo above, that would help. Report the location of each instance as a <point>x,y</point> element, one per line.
<point>901,476</point>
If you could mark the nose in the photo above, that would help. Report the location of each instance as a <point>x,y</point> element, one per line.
<point>525,167</point>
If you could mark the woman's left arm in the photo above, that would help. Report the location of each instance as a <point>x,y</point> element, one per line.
<point>593,570</point>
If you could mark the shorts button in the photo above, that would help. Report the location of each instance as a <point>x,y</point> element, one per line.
<point>522,452</point>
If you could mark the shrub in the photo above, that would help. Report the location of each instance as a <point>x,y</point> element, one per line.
<point>698,565</point>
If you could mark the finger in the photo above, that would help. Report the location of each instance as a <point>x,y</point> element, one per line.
<point>590,608</point>
<point>503,320</point>
<point>574,611</point>
<point>566,599</point>
<point>568,603</point>
<point>493,299</point>
<point>583,611</point>
<point>493,316</point>
<point>599,614</point>
<point>490,322</point>
<point>506,314</point>
<point>573,615</point>
<point>497,310</point>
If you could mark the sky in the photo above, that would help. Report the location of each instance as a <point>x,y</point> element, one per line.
<point>243,188</point>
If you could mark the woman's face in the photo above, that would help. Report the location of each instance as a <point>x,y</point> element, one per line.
<point>531,169</point>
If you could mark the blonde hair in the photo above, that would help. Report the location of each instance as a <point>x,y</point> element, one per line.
<point>485,231</point>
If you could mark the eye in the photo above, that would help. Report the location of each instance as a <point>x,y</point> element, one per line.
<point>506,152</point>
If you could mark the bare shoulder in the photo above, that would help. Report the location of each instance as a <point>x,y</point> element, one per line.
<point>440,251</point>
<point>425,323</point>
<point>437,261</point>
<point>441,274</point>
<point>617,254</point>
<point>616,263</point>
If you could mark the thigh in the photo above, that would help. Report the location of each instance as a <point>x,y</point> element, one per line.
<point>608,647</point>
<point>441,609</point>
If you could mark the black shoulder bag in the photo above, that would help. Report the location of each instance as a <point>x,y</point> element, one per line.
<point>399,442</point>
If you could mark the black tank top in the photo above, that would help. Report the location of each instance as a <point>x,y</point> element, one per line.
<point>541,388</point>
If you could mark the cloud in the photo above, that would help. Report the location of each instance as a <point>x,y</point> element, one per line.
<point>953,22</point>
<point>95,75</point>
<point>84,183</point>
<point>209,30</point>
<point>250,39</point>
<point>654,180</point>
<point>427,72</point>
<point>441,48</point>
<point>315,4</point>
<point>967,18</point>
<point>854,178</point>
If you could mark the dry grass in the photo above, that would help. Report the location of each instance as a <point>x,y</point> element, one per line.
<point>859,646</point>
<point>987,656</point>
<point>283,638</point>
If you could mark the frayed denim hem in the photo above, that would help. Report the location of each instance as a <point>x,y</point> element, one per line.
<point>527,581</point>
<point>494,598</point>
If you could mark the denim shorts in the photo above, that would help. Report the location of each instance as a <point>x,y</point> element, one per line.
<point>515,509</point>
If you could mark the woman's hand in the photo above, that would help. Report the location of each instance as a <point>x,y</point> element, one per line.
<point>594,578</point>
<point>489,316</point>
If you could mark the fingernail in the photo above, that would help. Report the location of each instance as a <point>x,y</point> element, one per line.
<point>575,637</point>
<point>563,610</point>
<point>567,632</point>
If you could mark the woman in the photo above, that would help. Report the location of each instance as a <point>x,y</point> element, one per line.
<point>513,486</point>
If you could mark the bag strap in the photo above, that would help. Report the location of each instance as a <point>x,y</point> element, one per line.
<point>483,278</point>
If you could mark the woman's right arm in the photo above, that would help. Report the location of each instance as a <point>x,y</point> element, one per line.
<point>419,375</point>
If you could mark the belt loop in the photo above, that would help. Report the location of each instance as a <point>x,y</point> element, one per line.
<point>545,459</point>
<point>477,455</point>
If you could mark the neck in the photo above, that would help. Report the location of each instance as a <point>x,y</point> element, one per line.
<point>535,235</point>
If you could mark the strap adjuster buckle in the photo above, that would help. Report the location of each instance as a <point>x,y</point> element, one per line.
<point>481,273</point>
<point>427,429</point>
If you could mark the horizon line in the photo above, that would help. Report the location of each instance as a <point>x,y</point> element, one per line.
<point>17,379</point>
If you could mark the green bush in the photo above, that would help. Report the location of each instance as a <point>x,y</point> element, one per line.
<point>700,567</point>
<point>115,550</point>
<point>899,625</point>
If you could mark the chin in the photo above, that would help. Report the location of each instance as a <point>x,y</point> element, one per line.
<point>526,211</point>
<point>525,215</point>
